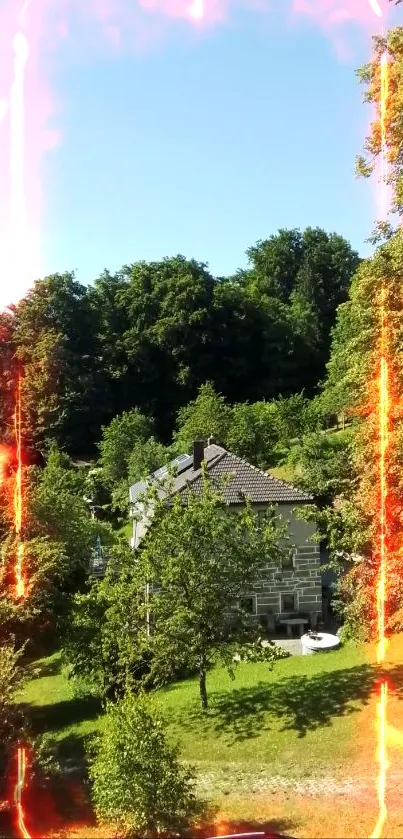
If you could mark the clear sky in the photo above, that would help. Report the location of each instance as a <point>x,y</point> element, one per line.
<point>205,141</point>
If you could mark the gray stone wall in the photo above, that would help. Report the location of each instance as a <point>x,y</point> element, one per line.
<point>303,580</point>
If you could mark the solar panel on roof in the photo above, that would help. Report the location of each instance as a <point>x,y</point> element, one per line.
<point>183,462</point>
<point>160,473</point>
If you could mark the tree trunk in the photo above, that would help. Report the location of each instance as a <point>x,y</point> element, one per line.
<point>202,686</point>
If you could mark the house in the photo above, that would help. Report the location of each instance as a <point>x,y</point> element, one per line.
<point>294,584</point>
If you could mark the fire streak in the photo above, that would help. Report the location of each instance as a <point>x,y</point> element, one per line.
<point>383,446</point>
<point>382,760</point>
<point>21,767</point>
<point>384,409</point>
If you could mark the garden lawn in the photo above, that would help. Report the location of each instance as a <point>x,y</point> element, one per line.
<point>53,710</point>
<point>294,720</point>
<point>277,748</point>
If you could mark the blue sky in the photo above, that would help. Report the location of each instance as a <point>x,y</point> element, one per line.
<point>203,145</point>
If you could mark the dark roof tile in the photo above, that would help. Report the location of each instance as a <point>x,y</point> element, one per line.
<point>243,480</point>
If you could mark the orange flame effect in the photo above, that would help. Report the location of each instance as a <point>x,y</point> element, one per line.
<point>21,765</point>
<point>384,408</point>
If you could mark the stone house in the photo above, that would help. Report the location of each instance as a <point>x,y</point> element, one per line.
<point>293,586</point>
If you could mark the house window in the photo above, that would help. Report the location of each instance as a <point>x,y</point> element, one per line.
<point>287,559</point>
<point>248,605</point>
<point>288,603</point>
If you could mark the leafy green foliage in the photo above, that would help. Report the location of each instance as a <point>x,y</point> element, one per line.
<point>254,433</point>
<point>144,459</point>
<point>255,652</point>
<point>309,273</point>
<point>118,441</point>
<point>208,415</point>
<point>325,463</point>
<point>370,76</point>
<point>55,333</point>
<point>138,783</point>
<point>105,643</point>
<point>11,679</point>
<point>151,334</point>
<point>201,558</point>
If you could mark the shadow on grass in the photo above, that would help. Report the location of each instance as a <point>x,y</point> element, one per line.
<point>276,826</point>
<point>303,703</point>
<point>47,668</point>
<point>59,715</point>
<point>58,804</point>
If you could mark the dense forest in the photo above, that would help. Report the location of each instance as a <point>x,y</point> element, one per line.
<point>150,335</point>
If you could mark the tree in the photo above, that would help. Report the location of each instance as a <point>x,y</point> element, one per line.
<point>253,433</point>
<point>59,537</point>
<point>118,441</point>
<point>56,338</point>
<point>207,415</point>
<point>202,558</point>
<point>145,458</point>
<point>138,783</point>
<point>106,645</point>
<point>107,300</point>
<point>8,375</point>
<point>168,306</point>
<point>326,464</point>
<point>56,509</point>
<point>353,383</point>
<point>11,679</point>
<point>296,416</point>
<point>309,273</point>
<point>370,76</point>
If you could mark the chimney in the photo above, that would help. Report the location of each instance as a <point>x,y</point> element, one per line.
<point>211,440</point>
<point>198,454</point>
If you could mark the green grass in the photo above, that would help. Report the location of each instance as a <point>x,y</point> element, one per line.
<point>297,719</point>
<point>294,719</point>
<point>286,472</point>
<point>52,709</point>
<point>126,531</point>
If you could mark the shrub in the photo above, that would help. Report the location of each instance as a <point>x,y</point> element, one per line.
<point>256,652</point>
<point>10,682</point>
<point>138,782</point>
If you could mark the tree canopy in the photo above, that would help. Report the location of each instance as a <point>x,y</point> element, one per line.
<point>150,335</point>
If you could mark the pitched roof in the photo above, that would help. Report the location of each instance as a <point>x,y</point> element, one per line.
<point>243,480</point>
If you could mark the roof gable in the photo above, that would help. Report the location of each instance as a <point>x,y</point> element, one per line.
<point>243,480</point>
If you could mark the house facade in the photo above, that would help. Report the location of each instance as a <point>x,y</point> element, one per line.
<point>293,585</point>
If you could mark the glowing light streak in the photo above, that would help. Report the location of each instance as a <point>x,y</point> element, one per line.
<point>383,444</point>
<point>18,494</point>
<point>384,414</point>
<point>21,770</point>
<point>384,72</point>
<point>375,7</point>
<point>382,760</point>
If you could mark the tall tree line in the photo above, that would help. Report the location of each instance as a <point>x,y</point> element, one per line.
<point>149,335</point>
